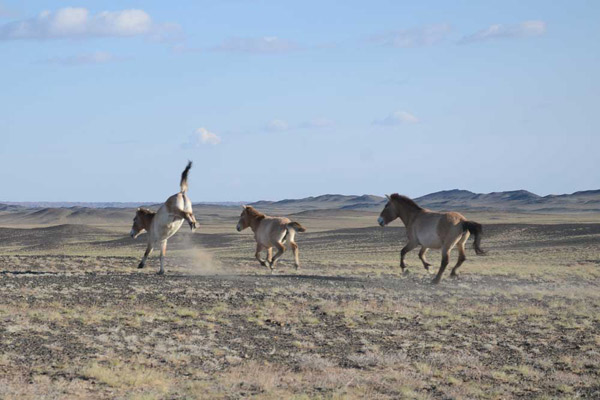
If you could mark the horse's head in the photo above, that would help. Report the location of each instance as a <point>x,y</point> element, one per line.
<point>388,214</point>
<point>250,217</point>
<point>244,220</point>
<point>141,222</point>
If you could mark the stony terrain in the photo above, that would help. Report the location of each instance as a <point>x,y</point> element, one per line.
<point>78,320</point>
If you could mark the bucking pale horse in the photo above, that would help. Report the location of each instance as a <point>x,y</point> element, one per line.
<point>431,230</point>
<point>270,232</point>
<point>165,222</point>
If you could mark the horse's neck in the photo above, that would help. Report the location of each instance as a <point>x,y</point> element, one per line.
<point>255,223</point>
<point>148,218</point>
<point>406,214</point>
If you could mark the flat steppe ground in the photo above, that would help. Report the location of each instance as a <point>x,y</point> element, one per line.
<point>79,320</point>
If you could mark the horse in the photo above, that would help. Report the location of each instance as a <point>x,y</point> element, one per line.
<point>270,232</point>
<point>431,230</point>
<point>165,222</point>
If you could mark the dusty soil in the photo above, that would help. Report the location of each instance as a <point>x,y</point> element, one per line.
<point>78,320</point>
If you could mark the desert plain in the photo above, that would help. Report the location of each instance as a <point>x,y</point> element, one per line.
<point>78,319</point>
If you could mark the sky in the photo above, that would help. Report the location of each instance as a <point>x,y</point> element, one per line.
<point>107,100</point>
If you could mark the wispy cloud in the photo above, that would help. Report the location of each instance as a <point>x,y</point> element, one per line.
<point>397,118</point>
<point>77,23</point>
<point>262,45</point>
<point>98,57</point>
<point>4,12</point>
<point>498,31</point>
<point>277,125</point>
<point>415,37</point>
<point>317,123</point>
<point>201,136</point>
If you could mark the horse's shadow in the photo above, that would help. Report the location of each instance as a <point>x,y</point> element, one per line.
<point>29,272</point>
<point>314,277</point>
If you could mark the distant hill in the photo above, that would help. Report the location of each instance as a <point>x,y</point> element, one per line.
<point>10,207</point>
<point>113,204</point>
<point>68,204</point>
<point>516,200</point>
<point>460,200</point>
<point>326,201</point>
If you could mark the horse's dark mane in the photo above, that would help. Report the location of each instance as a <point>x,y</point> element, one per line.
<point>146,211</point>
<point>407,201</point>
<point>254,213</point>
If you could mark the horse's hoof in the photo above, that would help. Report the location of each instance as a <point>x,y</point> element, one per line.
<point>454,276</point>
<point>161,272</point>
<point>405,272</point>
<point>435,281</point>
<point>141,265</point>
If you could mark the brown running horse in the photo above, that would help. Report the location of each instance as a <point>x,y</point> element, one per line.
<point>270,232</point>
<point>431,230</point>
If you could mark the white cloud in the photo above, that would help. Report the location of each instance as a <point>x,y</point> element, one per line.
<point>98,57</point>
<point>201,136</point>
<point>4,12</point>
<point>416,37</point>
<point>277,125</point>
<point>317,123</point>
<point>397,118</point>
<point>497,31</point>
<point>263,45</point>
<point>72,23</point>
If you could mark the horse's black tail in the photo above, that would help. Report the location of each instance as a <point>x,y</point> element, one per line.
<point>476,230</point>
<point>296,226</point>
<point>184,176</point>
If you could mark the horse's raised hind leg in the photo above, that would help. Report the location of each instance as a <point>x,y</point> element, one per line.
<point>422,254</point>
<point>270,255</point>
<point>259,248</point>
<point>445,259</point>
<point>403,252</point>
<point>280,250</point>
<point>296,258</point>
<point>163,253</point>
<point>188,216</point>
<point>191,220</point>
<point>146,254</point>
<point>462,256</point>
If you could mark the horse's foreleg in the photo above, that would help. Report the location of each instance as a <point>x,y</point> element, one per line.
<point>280,250</point>
<point>146,254</point>
<point>403,252</point>
<point>257,255</point>
<point>270,255</point>
<point>422,254</point>
<point>445,259</point>
<point>163,253</point>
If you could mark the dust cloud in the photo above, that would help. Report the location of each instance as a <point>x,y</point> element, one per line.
<point>195,260</point>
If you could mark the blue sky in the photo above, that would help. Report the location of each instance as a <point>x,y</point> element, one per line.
<point>106,101</point>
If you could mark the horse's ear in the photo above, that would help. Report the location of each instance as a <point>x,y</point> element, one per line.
<point>244,206</point>
<point>388,196</point>
<point>139,209</point>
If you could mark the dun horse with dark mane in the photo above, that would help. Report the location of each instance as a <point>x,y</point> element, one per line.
<point>270,232</point>
<point>431,230</point>
<point>165,222</point>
